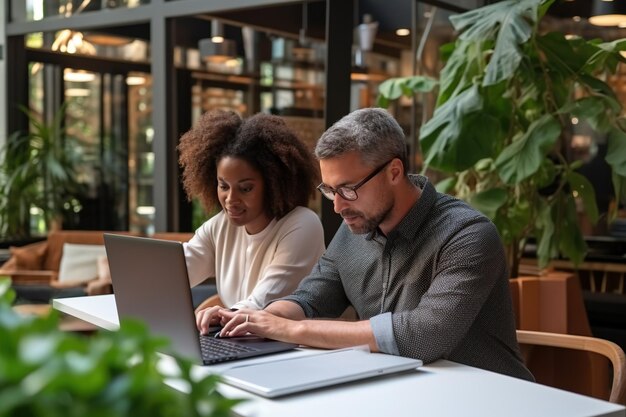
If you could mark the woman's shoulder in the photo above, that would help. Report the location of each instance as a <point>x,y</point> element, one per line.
<point>299,220</point>
<point>301,214</point>
<point>213,225</point>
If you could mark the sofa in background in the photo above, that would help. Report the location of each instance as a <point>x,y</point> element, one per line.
<point>40,271</point>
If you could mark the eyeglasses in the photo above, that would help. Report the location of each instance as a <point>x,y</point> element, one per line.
<point>346,192</point>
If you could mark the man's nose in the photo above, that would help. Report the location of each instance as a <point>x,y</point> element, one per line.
<point>339,203</point>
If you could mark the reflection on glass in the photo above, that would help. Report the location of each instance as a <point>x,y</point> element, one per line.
<point>32,10</point>
<point>92,43</point>
<point>140,153</point>
<point>82,95</point>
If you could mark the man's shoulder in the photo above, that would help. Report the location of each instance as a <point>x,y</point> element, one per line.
<point>458,210</point>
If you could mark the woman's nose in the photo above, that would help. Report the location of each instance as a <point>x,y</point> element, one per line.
<point>232,195</point>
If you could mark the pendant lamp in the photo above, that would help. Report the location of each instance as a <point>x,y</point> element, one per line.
<point>608,13</point>
<point>217,48</point>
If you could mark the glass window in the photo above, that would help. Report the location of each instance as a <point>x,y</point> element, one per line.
<point>31,10</point>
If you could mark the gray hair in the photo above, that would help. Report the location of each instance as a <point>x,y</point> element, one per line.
<point>372,132</point>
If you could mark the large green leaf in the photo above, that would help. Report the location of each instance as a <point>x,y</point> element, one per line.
<point>571,241</point>
<point>585,191</point>
<point>599,111</point>
<point>559,54</point>
<point>512,223</point>
<point>616,152</point>
<point>489,201</point>
<point>443,131</point>
<point>559,231</point>
<point>597,86</point>
<point>467,139</point>
<point>464,64</point>
<point>546,238</point>
<point>511,22</point>
<point>446,185</point>
<point>394,88</point>
<point>545,175</point>
<point>524,156</point>
<point>619,185</point>
<point>607,56</point>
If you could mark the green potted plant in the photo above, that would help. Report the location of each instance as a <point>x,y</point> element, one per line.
<point>47,372</point>
<point>506,97</point>
<point>38,169</point>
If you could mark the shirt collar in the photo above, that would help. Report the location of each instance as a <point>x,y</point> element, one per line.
<point>410,224</point>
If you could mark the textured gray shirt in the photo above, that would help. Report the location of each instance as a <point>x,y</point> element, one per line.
<point>435,287</point>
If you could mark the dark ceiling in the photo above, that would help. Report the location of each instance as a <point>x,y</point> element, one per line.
<point>286,20</point>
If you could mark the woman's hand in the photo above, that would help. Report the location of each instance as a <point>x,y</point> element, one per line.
<point>260,323</point>
<point>210,316</point>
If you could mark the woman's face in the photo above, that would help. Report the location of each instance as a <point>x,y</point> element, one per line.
<point>240,189</point>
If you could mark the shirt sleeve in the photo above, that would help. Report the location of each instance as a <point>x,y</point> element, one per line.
<point>200,255</point>
<point>321,293</point>
<point>300,244</point>
<point>382,327</point>
<point>468,267</point>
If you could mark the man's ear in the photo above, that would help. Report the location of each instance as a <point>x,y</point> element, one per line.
<point>396,168</point>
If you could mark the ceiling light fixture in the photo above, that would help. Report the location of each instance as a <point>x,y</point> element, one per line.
<point>78,76</point>
<point>608,13</point>
<point>71,42</point>
<point>403,32</point>
<point>135,80</point>
<point>107,39</point>
<point>302,50</point>
<point>77,92</point>
<point>217,48</point>
<point>365,34</point>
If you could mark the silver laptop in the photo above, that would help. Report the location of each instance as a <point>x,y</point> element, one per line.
<point>279,377</point>
<point>150,283</point>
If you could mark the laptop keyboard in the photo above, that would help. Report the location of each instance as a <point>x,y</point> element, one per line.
<point>220,350</point>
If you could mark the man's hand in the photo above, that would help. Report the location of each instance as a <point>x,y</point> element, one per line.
<point>327,334</point>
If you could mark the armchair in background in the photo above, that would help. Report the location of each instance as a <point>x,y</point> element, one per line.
<point>72,263</point>
<point>65,260</point>
<point>553,304</point>
<point>583,380</point>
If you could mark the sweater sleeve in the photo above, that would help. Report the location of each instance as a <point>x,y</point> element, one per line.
<point>200,254</point>
<point>300,243</point>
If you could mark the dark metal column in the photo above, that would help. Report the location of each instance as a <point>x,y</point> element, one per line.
<point>184,86</point>
<point>17,88</point>
<point>339,18</point>
<point>164,102</point>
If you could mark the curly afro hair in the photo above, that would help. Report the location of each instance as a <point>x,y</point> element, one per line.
<point>263,141</point>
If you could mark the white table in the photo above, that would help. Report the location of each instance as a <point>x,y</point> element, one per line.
<point>442,388</point>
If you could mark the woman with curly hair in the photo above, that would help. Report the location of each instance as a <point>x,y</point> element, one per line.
<point>264,240</point>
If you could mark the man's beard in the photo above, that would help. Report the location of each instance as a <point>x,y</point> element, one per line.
<point>369,223</point>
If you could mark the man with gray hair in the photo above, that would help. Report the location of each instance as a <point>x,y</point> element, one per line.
<point>425,273</point>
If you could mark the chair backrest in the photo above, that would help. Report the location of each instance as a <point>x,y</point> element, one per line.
<point>177,236</point>
<point>57,239</point>
<point>531,340</point>
<point>550,303</point>
<point>553,303</point>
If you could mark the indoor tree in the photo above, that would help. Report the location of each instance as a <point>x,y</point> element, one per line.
<point>38,169</point>
<point>502,122</point>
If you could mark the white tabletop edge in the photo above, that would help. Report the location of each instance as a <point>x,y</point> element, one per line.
<point>442,388</point>
<point>97,309</point>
